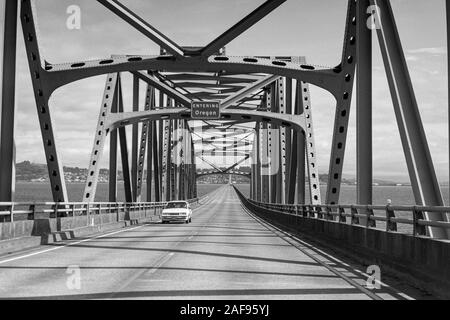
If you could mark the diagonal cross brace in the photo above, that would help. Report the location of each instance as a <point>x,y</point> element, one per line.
<point>239,28</point>
<point>164,88</point>
<point>142,26</point>
<point>248,90</point>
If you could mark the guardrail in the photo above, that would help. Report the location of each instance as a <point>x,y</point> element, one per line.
<point>33,210</point>
<point>412,216</point>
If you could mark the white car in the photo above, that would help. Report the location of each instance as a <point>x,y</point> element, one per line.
<point>177,211</point>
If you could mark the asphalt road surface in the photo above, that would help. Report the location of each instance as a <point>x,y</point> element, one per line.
<point>225,253</point>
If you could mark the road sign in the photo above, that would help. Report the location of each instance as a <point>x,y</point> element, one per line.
<point>205,110</point>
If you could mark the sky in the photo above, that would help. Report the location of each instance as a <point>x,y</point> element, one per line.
<point>311,28</point>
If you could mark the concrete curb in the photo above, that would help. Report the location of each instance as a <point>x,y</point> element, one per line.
<point>19,244</point>
<point>25,243</point>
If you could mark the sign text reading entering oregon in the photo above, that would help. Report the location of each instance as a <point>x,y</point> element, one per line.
<point>205,110</point>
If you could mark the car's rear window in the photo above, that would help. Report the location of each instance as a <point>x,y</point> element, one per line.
<point>176,205</point>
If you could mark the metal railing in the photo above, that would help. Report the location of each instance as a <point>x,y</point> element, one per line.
<point>410,216</point>
<point>33,210</point>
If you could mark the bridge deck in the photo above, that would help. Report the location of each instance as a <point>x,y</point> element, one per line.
<point>224,254</point>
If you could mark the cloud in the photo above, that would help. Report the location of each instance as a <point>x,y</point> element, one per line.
<point>432,51</point>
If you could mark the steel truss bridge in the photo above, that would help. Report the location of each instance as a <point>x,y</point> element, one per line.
<point>265,116</point>
<point>265,100</point>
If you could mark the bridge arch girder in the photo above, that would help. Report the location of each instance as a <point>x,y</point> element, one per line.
<point>59,75</point>
<point>118,120</point>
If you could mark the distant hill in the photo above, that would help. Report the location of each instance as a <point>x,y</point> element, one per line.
<point>27,171</point>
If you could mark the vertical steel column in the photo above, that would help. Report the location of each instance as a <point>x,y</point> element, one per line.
<point>289,178</point>
<point>298,164</point>
<point>274,146</point>
<point>257,193</point>
<point>113,167</point>
<point>168,162</point>
<point>149,101</point>
<point>156,164</point>
<point>135,140</point>
<point>176,165</point>
<point>293,164</point>
<point>364,171</point>
<point>281,174</point>
<point>420,165</point>
<point>447,9</point>
<point>311,154</point>
<point>301,168</point>
<point>151,154</point>
<point>265,152</point>
<point>194,171</point>
<point>8,43</point>
<point>149,177</point>
<point>113,151</point>
<point>124,152</point>
<point>253,167</point>
<point>162,147</point>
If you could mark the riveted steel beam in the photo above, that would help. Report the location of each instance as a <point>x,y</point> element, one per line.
<point>124,151</point>
<point>128,118</point>
<point>253,170</point>
<point>311,154</point>
<point>8,42</point>
<point>266,157</point>
<point>135,140</point>
<point>175,152</point>
<point>281,174</point>
<point>257,161</point>
<point>156,160</point>
<point>144,141</point>
<point>415,146</point>
<point>273,141</point>
<point>299,152</point>
<point>166,165</point>
<point>289,179</point>
<point>42,93</point>
<point>62,74</point>
<point>344,97</point>
<point>110,98</point>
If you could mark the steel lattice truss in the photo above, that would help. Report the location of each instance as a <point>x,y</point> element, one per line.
<point>265,100</point>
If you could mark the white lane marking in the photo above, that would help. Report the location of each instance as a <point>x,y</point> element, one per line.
<point>67,245</point>
<point>161,263</point>
<point>75,243</point>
